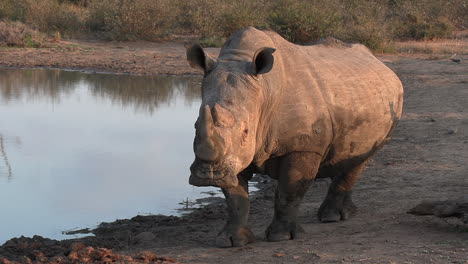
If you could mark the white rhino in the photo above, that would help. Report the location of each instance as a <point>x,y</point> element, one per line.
<point>294,113</point>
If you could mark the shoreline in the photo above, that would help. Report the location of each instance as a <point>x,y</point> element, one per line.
<point>423,161</point>
<point>154,58</point>
<point>136,58</point>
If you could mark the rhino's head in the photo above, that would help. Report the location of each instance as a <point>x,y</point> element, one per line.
<point>226,128</point>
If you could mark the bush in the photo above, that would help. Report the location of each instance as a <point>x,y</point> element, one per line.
<point>375,23</point>
<point>45,15</point>
<point>12,10</point>
<point>302,22</point>
<point>17,34</point>
<point>131,19</point>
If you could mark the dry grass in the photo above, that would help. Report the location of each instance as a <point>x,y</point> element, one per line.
<point>20,35</point>
<point>375,23</point>
<point>458,44</point>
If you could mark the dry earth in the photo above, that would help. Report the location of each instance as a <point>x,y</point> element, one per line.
<point>425,160</point>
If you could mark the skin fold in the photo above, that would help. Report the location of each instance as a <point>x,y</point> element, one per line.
<point>294,113</point>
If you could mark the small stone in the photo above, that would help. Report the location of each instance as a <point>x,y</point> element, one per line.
<point>164,260</point>
<point>97,254</point>
<point>56,259</point>
<point>146,256</point>
<point>127,259</point>
<point>77,246</point>
<point>4,261</point>
<point>25,260</point>
<point>85,253</point>
<point>452,131</point>
<point>73,256</point>
<point>278,255</point>
<point>144,237</point>
<point>39,256</point>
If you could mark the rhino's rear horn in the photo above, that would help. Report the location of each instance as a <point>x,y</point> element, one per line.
<point>210,145</point>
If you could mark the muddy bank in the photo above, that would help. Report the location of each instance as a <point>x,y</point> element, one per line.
<point>42,250</point>
<point>132,240</point>
<point>425,160</point>
<point>142,58</point>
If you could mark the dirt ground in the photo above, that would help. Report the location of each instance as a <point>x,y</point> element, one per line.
<point>425,160</point>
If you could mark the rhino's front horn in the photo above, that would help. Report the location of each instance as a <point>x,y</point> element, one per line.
<point>209,145</point>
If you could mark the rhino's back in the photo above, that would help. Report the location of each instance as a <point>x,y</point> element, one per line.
<point>353,99</point>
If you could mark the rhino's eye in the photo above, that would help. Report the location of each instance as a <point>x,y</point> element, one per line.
<point>245,132</point>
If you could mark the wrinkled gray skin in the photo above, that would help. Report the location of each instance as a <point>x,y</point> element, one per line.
<point>295,113</point>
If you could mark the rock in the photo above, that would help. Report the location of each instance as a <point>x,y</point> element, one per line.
<point>146,256</point>
<point>25,260</point>
<point>449,208</point>
<point>97,254</point>
<point>455,59</point>
<point>56,259</point>
<point>73,256</point>
<point>102,253</point>
<point>452,131</point>
<point>39,256</point>
<point>144,237</point>
<point>85,253</point>
<point>77,246</point>
<point>106,260</point>
<point>127,259</point>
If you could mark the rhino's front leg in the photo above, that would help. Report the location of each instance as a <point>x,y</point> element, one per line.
<point>236,233</point>
<point>295,173</point>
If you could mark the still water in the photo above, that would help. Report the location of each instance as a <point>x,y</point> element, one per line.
<point>77,149</point>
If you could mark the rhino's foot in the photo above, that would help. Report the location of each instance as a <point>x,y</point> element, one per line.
<point>278,231</point>
<point>337,206</point>
<point>234,237</point>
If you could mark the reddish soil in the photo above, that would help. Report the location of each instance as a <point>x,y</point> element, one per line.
<point>425,160</point>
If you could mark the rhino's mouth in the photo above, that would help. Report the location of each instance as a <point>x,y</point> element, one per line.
<point>211,174</point>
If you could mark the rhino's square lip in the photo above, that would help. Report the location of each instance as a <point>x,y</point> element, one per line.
<point>228,178</point>
<point>222,182</point>
<point>199,166</point>
<point>197,170</point>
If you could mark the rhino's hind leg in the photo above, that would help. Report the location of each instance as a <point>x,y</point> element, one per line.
<point>338,204</point>
<point>296,171</point>
<point>236,232</point>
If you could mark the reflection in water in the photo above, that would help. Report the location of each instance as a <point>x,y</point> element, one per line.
<point>99,147</point>
<point>5,158</point>
<point>143,93</point>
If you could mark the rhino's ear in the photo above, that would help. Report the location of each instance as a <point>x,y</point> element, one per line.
<point>262,61</point>
<point>198,59</point>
